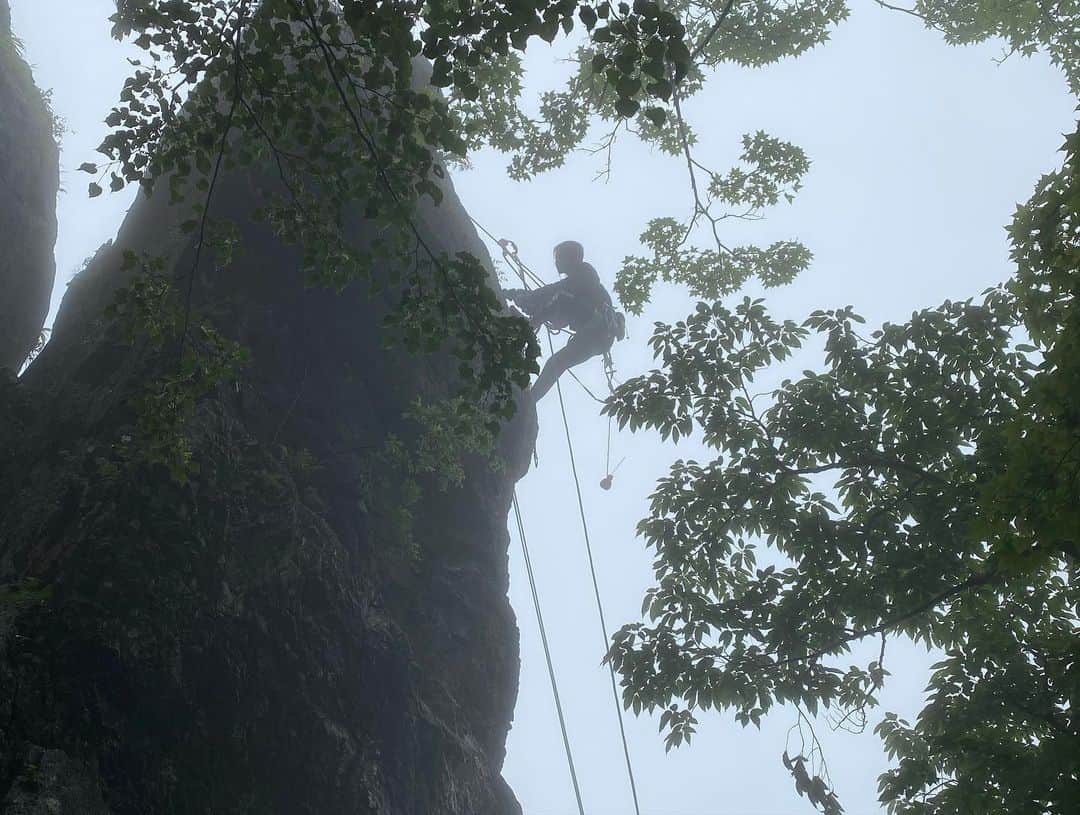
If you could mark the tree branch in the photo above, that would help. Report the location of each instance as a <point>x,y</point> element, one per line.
<point>975,580</point>
<point>237,94</point>
<point>712,31</point>
<point>913,13</point>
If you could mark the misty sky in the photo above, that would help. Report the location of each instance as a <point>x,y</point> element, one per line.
<point>920,154</point>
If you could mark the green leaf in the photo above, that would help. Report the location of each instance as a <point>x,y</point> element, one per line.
<point>626,107</point>
<point>656,115</point>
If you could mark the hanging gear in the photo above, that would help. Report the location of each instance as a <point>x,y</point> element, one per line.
<point>615,321</point>
<point>605,482</point>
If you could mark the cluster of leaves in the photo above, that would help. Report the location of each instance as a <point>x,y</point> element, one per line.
<point>641,61</point>
<point>1028,26</point>
<point>1018,671</point>
<point>897,543</point>
<point>924,484</point>
<point>329,94</point>
<point>13,64</point>
<point>25,592</point>
<point>638,61</point>
<point>812,785</point>
<point>445,437</point>
<point>775,171</point>
<point>152,317</point>
<point>1036,485</point>
<point>490,363</point>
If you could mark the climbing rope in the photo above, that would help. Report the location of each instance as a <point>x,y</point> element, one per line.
<point>547,653</point>
<point>609,374</point>
<point>596,593</point>
<point>585,387</point>
<point>510,254</point>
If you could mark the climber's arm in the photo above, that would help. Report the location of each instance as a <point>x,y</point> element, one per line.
<point>537,302</point>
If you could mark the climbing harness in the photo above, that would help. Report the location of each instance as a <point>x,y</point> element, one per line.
<point>513,259</point>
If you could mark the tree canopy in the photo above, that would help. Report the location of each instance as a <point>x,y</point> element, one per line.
<point>923,483</point>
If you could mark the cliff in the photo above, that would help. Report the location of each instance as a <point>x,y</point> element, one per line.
<point>29,178</point>
<point>256,640</point>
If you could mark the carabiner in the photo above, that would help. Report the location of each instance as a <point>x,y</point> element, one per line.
<point>509,248</point>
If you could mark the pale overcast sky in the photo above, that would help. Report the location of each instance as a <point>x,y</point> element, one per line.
<point>920,154</point>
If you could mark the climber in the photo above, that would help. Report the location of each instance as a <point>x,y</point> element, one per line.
<point>578,302</point>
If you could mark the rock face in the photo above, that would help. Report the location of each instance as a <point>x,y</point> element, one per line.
<point>256,640</point>
<point>29,178</point>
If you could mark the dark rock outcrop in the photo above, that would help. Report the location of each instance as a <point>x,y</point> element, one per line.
<point>255,640</point>
<point>29,179</point>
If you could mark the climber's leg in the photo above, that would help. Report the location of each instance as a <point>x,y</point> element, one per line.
<point>581,347</point>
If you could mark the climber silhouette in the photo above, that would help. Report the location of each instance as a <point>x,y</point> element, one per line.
<point>579,302</point>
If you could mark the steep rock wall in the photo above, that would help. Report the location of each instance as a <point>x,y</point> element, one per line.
<point>255,641</point>
<point>29,179</point>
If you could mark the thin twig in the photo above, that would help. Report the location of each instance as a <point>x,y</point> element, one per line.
<point>910,11</point>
